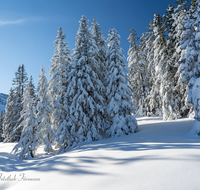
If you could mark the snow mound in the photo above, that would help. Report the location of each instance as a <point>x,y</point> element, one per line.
<point>159,156</point>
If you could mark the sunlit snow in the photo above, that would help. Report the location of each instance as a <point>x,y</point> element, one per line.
<point>160,156</point>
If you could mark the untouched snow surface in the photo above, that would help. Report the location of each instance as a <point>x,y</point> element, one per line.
<point>161,156</point>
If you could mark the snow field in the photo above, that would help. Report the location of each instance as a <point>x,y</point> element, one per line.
<point>160,156</point>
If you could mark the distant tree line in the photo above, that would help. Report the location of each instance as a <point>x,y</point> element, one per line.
<point>165,63</point>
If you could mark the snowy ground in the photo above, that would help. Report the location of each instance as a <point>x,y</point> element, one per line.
<point>159,157</point>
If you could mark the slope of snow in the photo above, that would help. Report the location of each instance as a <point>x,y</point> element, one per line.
<point>161,156</point>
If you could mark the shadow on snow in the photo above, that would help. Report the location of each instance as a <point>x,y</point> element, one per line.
<point>152,137</point>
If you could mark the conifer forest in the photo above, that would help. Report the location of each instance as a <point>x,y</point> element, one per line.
<point>95,92</point>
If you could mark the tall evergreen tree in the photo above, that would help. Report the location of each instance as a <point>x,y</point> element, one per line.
<point>120,107</point>
<point>170,98</point>
<point>32,87</point>
<point>188,62</point>
<point>149,43</point>
<point>20,79</point>
<point>57,87</point>
<point>57,83</point>
<point>189,54</point>
<point>97,35</point>
<point>146,75</point>
<point>44,131</point>
<point>8,123</point>
<point>179,19</point>
<point>189,69</point>
<point>133,63</point>
<point>83,100</point>
<point>26,146</point>
<point>159,60</point>
<point>11,117</point>
<point>19,82</point>
<point>138,71</point>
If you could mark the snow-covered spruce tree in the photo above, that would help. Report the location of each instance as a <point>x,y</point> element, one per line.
<point>11,117</point>
<point>165,72</point>
<point>146,73</point>
<point>44,131</point>
<point>57,83</point>
<point>138,72</point>
<point>18,107</point>
<point>1,126</point>
<point>33,91</point>
<point>159,60</point>
<point>189,60</point>
<point>120,106</point>
<point>27,143</point>
<point>178,24</point>
<point>150,50</point>
<point>19,82</point>
<point>83,100</point>
<point>133,60</point>
<point>9,122</point>
<point>100,57</point>
<point>97,35</point>
<point>172,99</point>
<point>170,96</point>
<point>32,87</point>
<point>179,21</point>
<point>20,79</point>
<point>189,69</point>
<point>150,61</point>
<point>57,88</point>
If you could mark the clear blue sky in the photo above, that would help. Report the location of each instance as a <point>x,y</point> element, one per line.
<point>29,27</point>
